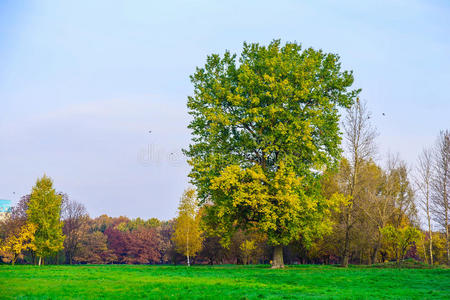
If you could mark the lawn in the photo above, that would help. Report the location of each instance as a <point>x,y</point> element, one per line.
<point>221,282</point>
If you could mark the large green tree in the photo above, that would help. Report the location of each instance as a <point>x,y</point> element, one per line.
<point>44,210</point>
<point>265,125</point>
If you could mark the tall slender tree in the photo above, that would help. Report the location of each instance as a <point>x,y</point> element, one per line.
<point>188,234</point>
<point>44,210</point>
<point>423,183</point>
<point>441,185</point>
<point>360,147</point>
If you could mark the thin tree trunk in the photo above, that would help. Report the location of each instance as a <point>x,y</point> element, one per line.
<point>278,262</point>
<point>346,248</point>
<point>446,224</point>
<point>40,259</point>
<point>448,248</point>
<point>424,250</point>
<point>375,251</point>
<point>187,248</point>
<point>369,258</point>
<point>429,230</point>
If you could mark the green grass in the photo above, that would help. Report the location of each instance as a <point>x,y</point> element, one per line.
<point>221,282</point>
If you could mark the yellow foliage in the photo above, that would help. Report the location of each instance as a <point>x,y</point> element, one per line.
<point>247,247</point>
<point>188,234</point>
<point>278,204</point>
<point>399,240</point>
<point>15,244</point>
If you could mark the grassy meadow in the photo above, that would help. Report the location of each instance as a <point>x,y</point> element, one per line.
<point>221,282</point>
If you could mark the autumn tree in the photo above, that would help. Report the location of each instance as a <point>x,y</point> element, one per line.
<point>359,136</point>
<point>74,216</point>
<point>44,210</point>
<point>439,247</point>
<point>166,246</point>
<point>13,247</point>
<point>139,246</point>
<point>265,126</point>
<point>248,247</point>
<point>400,239</point>
<point>188,234</point>
<point>16,219</point>
<point>441,186</point>
<point>354,227</point>
<point>93,249</point>
<point>392,200</point>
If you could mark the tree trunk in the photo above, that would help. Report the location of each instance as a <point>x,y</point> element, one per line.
<point>424,251</point>
<point>346,249</point>
<point>187,247</point>
<point>277,262</point>
<point>446,225</point>
<point>430,233</point>
<point>448,246</point>
<point>369,258</point>
<point>375,253</point>
<point>40,260</point>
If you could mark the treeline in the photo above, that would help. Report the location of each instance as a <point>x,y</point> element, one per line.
<point>381,223</point>
<point>379,218</point>
<point>113,240</point>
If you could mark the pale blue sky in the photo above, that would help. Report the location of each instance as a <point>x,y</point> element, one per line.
<point>82,83</point>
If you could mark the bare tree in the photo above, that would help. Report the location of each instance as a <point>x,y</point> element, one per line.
<point>424,175</point>
<point>19,211</point>
<point>359,137</point>
<point>441,185</point>
<point>74,215</point>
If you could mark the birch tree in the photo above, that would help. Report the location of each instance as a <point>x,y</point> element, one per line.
<point>441,185</point>
<point>188,235</point>
<point>424,178</point>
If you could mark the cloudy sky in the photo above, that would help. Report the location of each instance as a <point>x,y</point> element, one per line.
<point>83,82</point>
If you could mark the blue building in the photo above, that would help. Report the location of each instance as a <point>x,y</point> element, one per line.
<point>5,206</point>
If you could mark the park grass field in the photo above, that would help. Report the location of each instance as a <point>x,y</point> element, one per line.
<point>221,282</point>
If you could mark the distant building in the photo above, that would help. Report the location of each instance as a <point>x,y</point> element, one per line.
<point>5,208</point>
